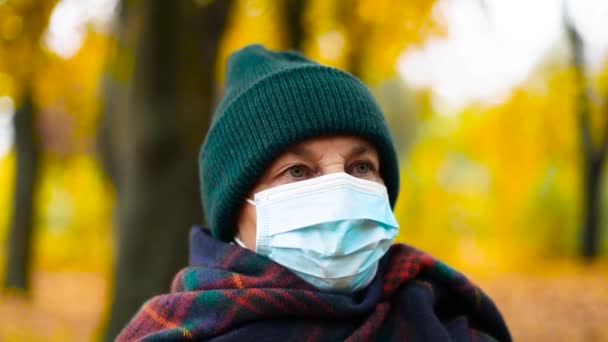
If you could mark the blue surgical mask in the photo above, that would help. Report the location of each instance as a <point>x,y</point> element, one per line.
<point>331,230</point>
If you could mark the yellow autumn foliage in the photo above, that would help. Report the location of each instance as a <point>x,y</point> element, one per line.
<point>493,189</point>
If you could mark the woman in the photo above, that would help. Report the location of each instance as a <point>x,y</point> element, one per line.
<point>299,176</point>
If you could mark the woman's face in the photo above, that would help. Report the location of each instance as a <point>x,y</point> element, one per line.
<point>308,159</point>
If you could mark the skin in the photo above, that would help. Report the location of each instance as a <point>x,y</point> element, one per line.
<point>308,159</point>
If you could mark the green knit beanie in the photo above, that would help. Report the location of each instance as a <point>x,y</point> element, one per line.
<point>273,100</point>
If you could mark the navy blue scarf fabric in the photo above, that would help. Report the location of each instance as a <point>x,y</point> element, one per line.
<point>232,294</point>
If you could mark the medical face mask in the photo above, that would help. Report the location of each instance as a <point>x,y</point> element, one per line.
<point>331,230</point>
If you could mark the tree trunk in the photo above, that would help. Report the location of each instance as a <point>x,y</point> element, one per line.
<point>22,219</point>
<point>158,132</point>
<point>591,221</point>
<point>357,35</point>
<point>593,156</point>
<point>294,19</point>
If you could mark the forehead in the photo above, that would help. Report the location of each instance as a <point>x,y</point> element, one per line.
<point>343,144</point>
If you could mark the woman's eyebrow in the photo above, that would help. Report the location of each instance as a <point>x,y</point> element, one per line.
<point>300,151</point>
<point>357,151</point>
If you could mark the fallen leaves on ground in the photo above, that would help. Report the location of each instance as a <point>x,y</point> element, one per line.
<point>564,302</point>
<point>63,306</point>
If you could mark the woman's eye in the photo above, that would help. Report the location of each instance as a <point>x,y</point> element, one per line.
<point>362,168</point>
<point>297,171</point>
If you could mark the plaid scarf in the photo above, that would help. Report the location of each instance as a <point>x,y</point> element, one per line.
<point>233,294</point>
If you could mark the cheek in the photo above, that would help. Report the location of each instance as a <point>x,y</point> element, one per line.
<point>247,225</point>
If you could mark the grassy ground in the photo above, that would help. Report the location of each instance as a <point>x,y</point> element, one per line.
<point>567,302</point>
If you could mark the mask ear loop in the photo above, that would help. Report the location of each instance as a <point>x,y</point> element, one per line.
<point>236,238</point>
<point>239,242</point>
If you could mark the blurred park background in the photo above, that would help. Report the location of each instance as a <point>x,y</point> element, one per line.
<point>499,109</point>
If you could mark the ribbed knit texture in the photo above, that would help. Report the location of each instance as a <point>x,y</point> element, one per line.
<point>273,100</point>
